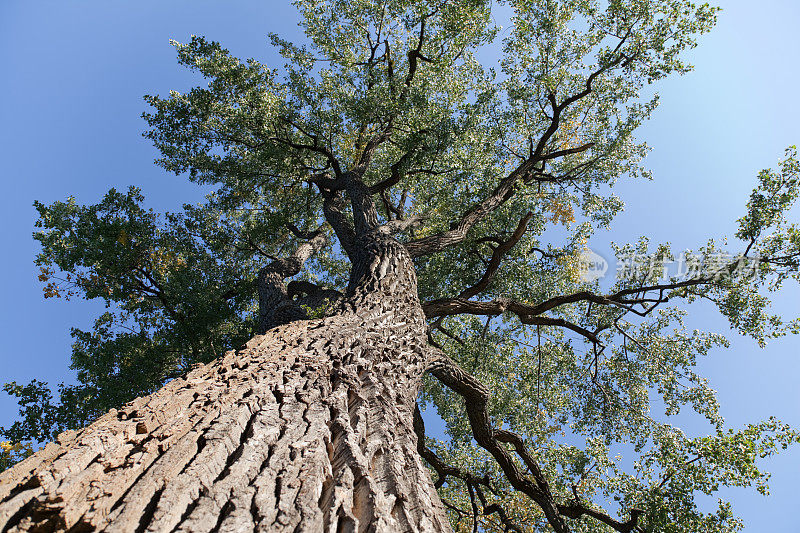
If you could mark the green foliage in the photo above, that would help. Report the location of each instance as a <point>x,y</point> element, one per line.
<point>179,287</point>
<point>173,301</point>
<point>13,452</point>
<point>601,422</point>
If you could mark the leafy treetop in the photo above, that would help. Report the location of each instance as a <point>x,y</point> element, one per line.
<point>494,174</point>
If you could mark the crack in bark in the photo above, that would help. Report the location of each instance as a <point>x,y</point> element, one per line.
<point>149,511</point>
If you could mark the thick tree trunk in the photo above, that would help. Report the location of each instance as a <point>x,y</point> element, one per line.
<point>308,428</point>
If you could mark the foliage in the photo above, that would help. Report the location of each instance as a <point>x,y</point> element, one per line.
<point>13,452</point>
<point>396,90</point>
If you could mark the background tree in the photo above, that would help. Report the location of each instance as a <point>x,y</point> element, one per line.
<point>400,133</point>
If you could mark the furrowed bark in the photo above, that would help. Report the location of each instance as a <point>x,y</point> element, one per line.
<point>309,427</point>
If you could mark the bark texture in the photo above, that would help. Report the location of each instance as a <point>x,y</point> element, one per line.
<point>307,428</point>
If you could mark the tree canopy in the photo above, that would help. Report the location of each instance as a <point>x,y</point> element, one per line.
<point>494,174</point>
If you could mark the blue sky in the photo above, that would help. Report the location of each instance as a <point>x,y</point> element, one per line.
<point>74,73</point>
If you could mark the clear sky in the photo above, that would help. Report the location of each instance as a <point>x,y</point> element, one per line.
<point>74,73</point>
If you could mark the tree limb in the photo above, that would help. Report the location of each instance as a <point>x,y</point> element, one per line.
<point>476,398</point>
<point>497,255</point>
<point>525,171</point>
<point>273,295</point>
<point>332,206</point>
<point>525,312</point>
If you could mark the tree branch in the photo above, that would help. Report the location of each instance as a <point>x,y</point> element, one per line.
<point>273,295</point>
<point>524,171</point>
<point>476,398</point>
<point>398,225</point>
<point>525,312</point>
<point>332,208</point>
<point>497,256</point>
<point>315,147</point>
<point>444,470</point>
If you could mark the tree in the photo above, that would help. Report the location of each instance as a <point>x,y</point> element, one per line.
<point>413,194</point>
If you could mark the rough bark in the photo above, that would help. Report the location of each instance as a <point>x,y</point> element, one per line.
<point>307,428</point>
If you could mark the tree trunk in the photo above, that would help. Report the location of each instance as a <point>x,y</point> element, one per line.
<point>307,428</point>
